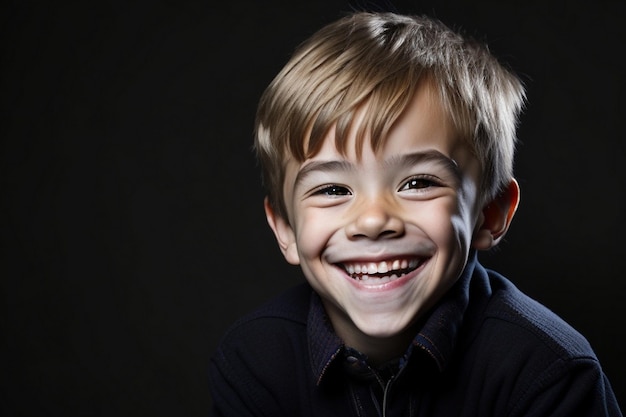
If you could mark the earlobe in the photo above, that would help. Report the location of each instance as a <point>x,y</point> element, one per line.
<point>283,232</point>
<point>496,217</point>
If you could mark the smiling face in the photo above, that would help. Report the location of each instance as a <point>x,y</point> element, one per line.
<point>382,236</point>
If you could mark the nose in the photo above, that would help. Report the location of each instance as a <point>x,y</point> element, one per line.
<point>375,219</point>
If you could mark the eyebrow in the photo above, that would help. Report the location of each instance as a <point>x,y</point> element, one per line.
<point>415,158</point>
<point>407,160</point>
<point>323,166</point>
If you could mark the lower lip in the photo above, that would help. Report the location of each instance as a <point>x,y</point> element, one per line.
<point>371,285</point>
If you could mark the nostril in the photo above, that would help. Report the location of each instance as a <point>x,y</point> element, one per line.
<point>388,233</point>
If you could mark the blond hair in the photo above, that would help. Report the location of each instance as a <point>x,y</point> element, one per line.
<point>379,59</point>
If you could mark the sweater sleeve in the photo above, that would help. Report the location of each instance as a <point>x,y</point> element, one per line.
<point>260,361</point>
<point>232,390</point>
<point>574,388</point>
<point>257,369</point>
<point>250,372</point>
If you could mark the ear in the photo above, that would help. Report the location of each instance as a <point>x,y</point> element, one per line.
<point>496,217</point>
<point>284,234</point>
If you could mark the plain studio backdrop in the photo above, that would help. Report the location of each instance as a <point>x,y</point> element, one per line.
<point>132,225</point>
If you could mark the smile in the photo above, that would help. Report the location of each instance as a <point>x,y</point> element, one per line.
<point>381,271</point>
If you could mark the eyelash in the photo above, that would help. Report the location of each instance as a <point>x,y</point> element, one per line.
<point>420,182</point>
<point>332,190</point>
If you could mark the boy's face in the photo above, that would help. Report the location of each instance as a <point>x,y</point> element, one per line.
<point>382,237</point>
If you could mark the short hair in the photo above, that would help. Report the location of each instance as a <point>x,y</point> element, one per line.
<point>380,59</point>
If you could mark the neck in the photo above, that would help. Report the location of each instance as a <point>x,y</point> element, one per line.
<point>379,350</point>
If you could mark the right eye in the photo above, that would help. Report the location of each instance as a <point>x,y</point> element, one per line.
<point>332,190</point>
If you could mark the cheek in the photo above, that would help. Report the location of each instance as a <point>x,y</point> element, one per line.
<point>312,233</point>
<point>462,232</point>
<point>464,223</point>
<point>466,213</point>
<point>449,226</point>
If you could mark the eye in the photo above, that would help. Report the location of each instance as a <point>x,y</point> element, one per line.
<point>332,190</point>
<point>419,183</point>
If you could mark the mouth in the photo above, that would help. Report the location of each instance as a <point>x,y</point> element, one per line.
<point>383,271</point>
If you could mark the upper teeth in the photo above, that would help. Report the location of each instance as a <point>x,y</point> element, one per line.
<point>380,267</point>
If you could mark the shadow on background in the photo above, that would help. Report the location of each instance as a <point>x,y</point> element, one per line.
<point>132,224</point>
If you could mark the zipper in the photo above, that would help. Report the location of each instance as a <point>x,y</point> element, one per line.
<point>387,387</point>
<point>385,392</point>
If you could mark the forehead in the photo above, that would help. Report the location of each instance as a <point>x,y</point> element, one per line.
<point>424,128</point>
<point>423,124</point>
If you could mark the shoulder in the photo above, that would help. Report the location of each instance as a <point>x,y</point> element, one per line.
<point>526,345</point>
<point>519,342</point>
<point>515,338</point>
<point>511,309</point>
<point>260,357</point>
<point>286,313</point>
<point>533,354</point>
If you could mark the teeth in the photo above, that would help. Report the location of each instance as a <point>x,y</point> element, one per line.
<point>396,267</point>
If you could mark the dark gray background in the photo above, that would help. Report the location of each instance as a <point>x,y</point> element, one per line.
<point>132,224</point>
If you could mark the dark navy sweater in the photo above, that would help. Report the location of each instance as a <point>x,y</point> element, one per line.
<point>485,349</point>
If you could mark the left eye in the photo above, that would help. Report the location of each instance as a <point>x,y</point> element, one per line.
<point>333,190</point>
<point>418,183</point>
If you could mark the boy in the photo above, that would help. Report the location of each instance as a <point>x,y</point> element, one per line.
<point>387,144</point>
